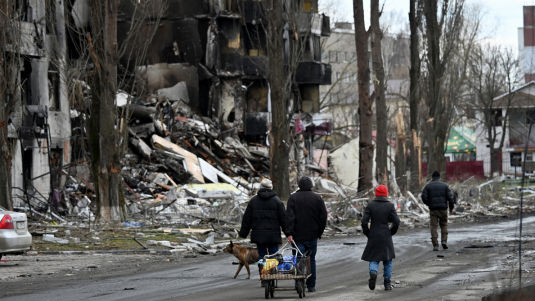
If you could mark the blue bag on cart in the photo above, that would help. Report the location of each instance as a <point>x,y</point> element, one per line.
<point>288,264</point>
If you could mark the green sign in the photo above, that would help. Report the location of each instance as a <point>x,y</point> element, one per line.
<point>461,140</point>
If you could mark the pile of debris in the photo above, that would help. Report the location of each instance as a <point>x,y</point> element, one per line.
<point>183,172</point>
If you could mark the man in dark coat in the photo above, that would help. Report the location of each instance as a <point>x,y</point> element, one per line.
<point>265,216</point>
<point>438,197</point>
<point>307,217</point>
<point>380,246</point>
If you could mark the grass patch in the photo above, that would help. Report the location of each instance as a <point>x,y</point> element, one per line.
<point>117,239</point>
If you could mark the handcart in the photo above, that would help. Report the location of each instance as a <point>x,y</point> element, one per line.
<point>287,264</point>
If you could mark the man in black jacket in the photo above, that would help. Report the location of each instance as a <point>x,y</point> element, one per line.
<point>380,246</point>
<point>265,216</point>
<point>307,217</point>
<point>438,197</point>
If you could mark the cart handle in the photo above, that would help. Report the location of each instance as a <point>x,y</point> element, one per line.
<point>283,248</point>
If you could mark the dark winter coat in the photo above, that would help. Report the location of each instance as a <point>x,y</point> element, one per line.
<point>379,246</point>
<point>265,216</point>
<point>306,213</point>
<point>437,195</point>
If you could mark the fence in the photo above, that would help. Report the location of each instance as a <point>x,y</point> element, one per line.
<point>460,170</point>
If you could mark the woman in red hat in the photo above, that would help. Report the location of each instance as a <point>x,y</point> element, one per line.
<point>380,246</point>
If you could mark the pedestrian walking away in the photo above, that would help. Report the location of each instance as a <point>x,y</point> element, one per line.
<point>438,197</point>
<point>264,217</point>
<point>380,212</point>
<point>306,220</point>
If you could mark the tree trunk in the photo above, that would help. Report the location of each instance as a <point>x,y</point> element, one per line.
<point>9,84</point>
<point>5,149</point>
<point>414,73</point>
<point>378,96</point>
<point>365,103</point>
<point>279,140</point>
<point>435,134</point>
<point>401,151</point>
<point>106,165</point>
<point>494,160</point>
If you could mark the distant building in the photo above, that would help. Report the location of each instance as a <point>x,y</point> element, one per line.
<point>518,105</point>
<point>526,44</point>
<point>340,98</point>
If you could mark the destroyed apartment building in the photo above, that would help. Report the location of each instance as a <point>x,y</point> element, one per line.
<point>207,116</point>
<point>212,55</point>
<point>39,127</point>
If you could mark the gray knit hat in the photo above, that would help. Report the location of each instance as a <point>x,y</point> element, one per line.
<point>266,183</point>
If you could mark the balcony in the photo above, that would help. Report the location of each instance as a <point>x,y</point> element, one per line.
<point>252,11</point>
<point>313,73</point>
<point>316,24</point>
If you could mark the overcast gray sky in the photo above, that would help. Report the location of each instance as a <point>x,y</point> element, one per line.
<point>501,18</point>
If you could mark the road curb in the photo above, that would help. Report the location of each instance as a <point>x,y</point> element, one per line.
<point>112,252</point>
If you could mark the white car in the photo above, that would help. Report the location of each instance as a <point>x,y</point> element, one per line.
<point>14,235</point>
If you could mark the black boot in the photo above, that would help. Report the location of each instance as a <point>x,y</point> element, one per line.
<point>388,286</point>
<point>435,247</point>
<point>371,282</point>
<point>444,245</point>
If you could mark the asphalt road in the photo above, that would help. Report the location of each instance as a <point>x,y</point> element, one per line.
<point>482,259</point>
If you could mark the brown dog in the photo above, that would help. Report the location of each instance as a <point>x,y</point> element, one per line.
<point>245,255</point>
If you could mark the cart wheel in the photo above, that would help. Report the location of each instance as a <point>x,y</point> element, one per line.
<point>272,289</point>
<point>267,289</point>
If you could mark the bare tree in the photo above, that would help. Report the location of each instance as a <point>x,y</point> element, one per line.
<point>414,72</point>
<point>365,102</point>
<point>107,128</point>
<point>10,64</point>
<point>494,71</point>
<point>286,47</point>
<point>103,137</point>
<point>378,96</point>
<point>442,33</point>
<point>279,87</point>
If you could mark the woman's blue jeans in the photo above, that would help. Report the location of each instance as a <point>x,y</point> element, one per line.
<point>387,268</point>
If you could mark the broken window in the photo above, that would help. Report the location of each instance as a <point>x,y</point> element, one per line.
<point>230,35</point>
<point>529,116</point>
<point>255,40</point>
<point>230,6</point>
<point>256,95</point>
<point>316,48</point>
<point>516,159</point>
<point>332,56</point>
<point>309,7</point>
<point>53,88</point>
<point>496,117</point>
<point>24,10</point>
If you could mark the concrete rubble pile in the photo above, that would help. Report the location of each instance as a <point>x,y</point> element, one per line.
<point>169,147</point>
<point>474,199</point>
<point>182,171</point>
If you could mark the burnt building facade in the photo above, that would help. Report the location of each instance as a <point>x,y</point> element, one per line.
<point>216,51</point>
<point>39,126</point>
